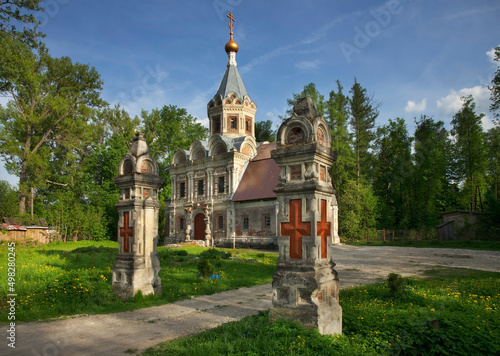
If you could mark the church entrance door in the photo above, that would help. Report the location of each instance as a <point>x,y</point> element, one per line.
<point>199,226</point>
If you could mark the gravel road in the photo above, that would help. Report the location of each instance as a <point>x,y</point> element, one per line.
<point>113,334</point>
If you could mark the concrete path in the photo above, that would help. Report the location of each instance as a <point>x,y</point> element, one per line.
<point>113,334</point>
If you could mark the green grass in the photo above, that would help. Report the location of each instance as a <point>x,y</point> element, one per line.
<point>62,279</point>
<point>451,312</point>
<point>490,245</point>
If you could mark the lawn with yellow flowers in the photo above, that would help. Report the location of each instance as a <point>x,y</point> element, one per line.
<point>450,312</point>
<point>62,279</point>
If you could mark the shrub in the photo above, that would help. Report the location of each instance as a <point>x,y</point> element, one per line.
<point>205,268</point>
<point>215,254</point>
<point>396,285</point>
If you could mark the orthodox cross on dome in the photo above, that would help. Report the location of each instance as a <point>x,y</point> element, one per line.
<point>126,232</point>
<point>231,20</point>
<point>323,228</point>
<point>296,228</point>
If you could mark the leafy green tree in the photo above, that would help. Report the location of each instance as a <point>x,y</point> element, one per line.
<point>363,111</point>
<point>392,173</point>
<point>470,152</point>
<point>493,143</point>
<point>264,131</point>
<point>358,210</point>
<point>432,191</point>
<point>495,89</point>
<point>8,200</point>
<point>50,105</point>
<point>15,13</point>
<point>169,129</point>
<point>337,108</point>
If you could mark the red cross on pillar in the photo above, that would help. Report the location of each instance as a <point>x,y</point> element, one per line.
<point>323,228</point>
<point>296,228</point>
<point>126,232</point>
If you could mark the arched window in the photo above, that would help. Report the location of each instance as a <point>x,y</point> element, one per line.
<point>221,222</point>
<point>127,167</point>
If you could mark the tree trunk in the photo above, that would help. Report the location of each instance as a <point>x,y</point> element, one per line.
<point>23,179</point>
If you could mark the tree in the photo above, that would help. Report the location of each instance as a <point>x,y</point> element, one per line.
<point>49,109</point>
<point>8,200</point>
<point>264,131</point>
<point>364,111</point>
<point>493,143</point>
<point>357,210</point>
<point>392,173</point>
<point>431,190</point>
<point>337,109</point>
<point>470,152</point>
<point>495,89</point>
<point>309,91</point>
<point>169,129</point>
<point>20,12</point>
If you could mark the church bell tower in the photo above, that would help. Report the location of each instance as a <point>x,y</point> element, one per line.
<point>231,112</point>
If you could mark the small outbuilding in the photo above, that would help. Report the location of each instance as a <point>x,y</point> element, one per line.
<point>458,224</point>
<point>12,229</point>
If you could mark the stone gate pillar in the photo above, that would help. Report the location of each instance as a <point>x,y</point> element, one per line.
<point>137,265</point>
<point>305,285</point>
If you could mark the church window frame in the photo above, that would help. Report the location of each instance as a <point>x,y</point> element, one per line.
<point>232,123</point>
<point>201,187</point>
<point>248,125</point>
<point>216,122</point>
<point>266,221</point>
<point>182,189</point>
<point>221,185</point>
<point>181,223</point>
<point>220,222</point>
<point>246,223</point>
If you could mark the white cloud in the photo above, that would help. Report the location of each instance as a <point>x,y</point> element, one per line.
<point>204,122</point>
<point>491,55</point>
<point>307,65</point>
<point>451,104</point>
<point>413,106</point>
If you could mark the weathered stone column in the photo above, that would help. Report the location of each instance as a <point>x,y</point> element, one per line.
<point>305,285</point>
<point>137,265</point>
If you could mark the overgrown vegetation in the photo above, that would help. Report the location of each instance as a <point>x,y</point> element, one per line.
<point>452,312</point>
<point>61,279</point>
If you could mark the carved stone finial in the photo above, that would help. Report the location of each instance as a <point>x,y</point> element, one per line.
<point>139,145</point>
<point>305,107</point>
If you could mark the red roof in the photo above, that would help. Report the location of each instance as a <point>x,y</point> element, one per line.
<point>13,227</point>
<point>260,177</point>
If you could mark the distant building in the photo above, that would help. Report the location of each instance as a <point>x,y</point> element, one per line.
<point>458,224</point>
<point>12,229</point>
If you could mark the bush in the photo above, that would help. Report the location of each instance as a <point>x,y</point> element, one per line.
<point>396,285</point>
<point>215,254</point>
<point>179,253</point>
<point>205,268</point>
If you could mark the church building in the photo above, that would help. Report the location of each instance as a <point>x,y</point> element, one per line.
<point>222,189</point>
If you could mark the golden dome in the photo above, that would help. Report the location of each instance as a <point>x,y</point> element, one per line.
<point>231,46</point>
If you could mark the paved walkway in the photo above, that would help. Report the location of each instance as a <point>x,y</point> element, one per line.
<point>113,334</point>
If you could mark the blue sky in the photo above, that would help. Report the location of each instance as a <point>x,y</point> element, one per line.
<point>415,56</point>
